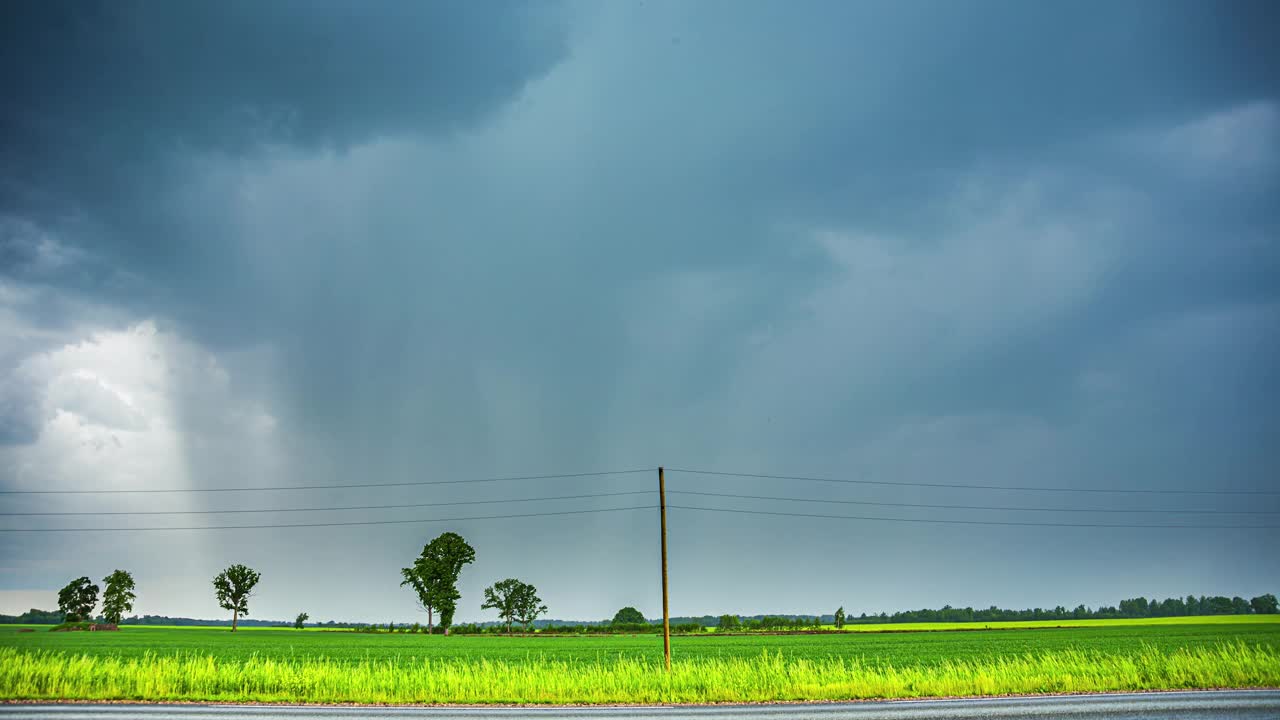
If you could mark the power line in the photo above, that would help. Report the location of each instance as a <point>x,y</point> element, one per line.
<point>327,487</point>
<point>642,507</point>
<point>974,507</point>
<point>975,522</point>
<point>976,487</point>
<point>737,496</point>
<point>330,524</point>
<point>327,509</point>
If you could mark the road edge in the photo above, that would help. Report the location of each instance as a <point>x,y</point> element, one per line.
<point>473,706</point>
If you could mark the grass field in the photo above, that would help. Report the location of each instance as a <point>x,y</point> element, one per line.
<point>269,665</point>
<point>896,648</point>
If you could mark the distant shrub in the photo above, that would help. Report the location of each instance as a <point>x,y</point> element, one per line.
<point>628,616</point>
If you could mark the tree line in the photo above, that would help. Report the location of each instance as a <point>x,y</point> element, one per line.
<point>1139,607</point>
<point>433,578</point>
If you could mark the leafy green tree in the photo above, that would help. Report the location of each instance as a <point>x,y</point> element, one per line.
<point>1136,607</point>
<point>434,576</point>
<point>729,623</point>
<point>1217,605</point>
<point>514,601</point>
<point>77,599</point>
<point>629,616</point>
<point>529,607</point>
<point>1264,604</point>
<point>301,620</point>
<point>840,617</point>
<point>234,586</point>
<point>118,597</point>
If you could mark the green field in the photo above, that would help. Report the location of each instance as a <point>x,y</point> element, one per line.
<point>274,665</point>
<point>894,648</point>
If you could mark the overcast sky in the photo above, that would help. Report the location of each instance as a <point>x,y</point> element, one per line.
<point>312,243</point>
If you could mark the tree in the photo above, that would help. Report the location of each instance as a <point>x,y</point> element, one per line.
<point>234,586</point>
<point>514,601</point>
<point>840,617</point>
<point>1136,607</point>
<point>529,607</point>
<point>1264,604</point>
<point>1173,607</point>
<point>77,599</point>
<point>1217,605</point>
<point>118,597</point>
<point>729,622</point>
<point>301,620</point>
<point>629,616</point>
<point>434,576</point>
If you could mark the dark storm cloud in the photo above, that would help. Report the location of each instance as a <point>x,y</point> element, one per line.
<point>922,240</point>
<point>848,112</point>
<point>86,82</point>
<point>856,96</point>
<point>105,102</point>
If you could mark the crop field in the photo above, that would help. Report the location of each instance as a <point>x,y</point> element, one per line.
<point>894,648</point>
<point>284,665</point>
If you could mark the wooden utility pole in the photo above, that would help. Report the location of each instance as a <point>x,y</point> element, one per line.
<point>666,609</point>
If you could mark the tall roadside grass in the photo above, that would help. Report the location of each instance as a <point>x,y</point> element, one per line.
<point>44,675</point>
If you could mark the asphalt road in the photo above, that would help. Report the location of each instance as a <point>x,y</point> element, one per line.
<point>1219,705</point>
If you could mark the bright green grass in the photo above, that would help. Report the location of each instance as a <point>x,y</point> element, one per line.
<point>895,648</point>
<point>42,675</point>
<point>269,664</point>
